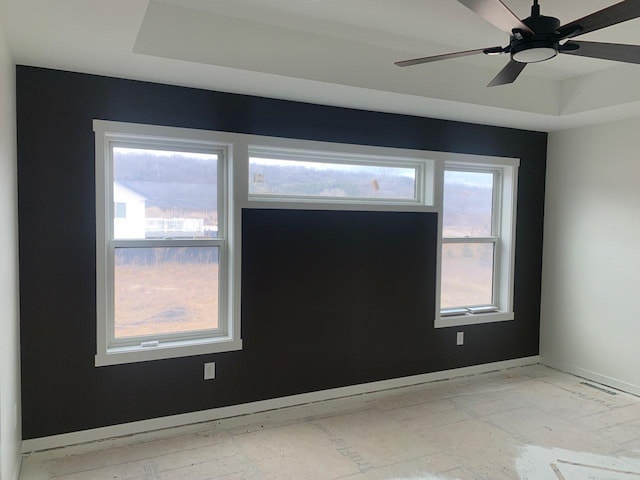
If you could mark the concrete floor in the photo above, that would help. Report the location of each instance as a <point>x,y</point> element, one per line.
<point>524,423</point>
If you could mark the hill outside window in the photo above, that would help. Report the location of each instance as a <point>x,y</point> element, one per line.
<point>162,246</point>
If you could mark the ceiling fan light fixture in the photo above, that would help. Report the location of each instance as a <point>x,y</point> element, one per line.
<point>538,38</point>
<point>534,55</point>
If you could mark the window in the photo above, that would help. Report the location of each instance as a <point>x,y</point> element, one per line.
<point>120,210</point>
<point>474,195</point>
<point>304,175</point>
<point>167,247</point>
<point>163,245</point>
<point>469,239</point>
<point>478,233</point>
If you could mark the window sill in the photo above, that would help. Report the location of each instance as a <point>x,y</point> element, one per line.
<point>472,319</point>
<point>121,355</point>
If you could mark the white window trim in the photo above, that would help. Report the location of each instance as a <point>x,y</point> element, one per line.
<point>237,146</point>
<point>505,225</point>
<point>227,338</point>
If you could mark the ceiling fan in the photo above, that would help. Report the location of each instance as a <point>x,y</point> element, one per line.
<point>539,38</point>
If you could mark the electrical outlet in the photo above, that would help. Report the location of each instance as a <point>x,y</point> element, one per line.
<point>460,338</point>
<point>209,371</point>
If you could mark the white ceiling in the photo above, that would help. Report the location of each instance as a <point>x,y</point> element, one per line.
<point>335,52</point>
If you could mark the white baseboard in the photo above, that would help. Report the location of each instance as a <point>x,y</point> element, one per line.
<point>95,434</point>
<point>593,376</point>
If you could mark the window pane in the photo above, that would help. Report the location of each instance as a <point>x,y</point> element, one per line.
<point>467,274</point>
<point>468,204</point>
<point>272,176</point>
<point>165,194</point>
<point>165,290</point>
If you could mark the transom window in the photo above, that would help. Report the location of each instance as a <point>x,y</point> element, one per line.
<point>304,175</point>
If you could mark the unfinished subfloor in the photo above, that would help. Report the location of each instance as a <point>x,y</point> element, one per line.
<point>524,423</point>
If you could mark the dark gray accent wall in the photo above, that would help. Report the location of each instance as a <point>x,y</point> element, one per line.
<point>373,331</point>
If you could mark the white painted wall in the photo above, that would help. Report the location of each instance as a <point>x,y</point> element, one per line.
<point>10,434</point>
<point>591,266</point>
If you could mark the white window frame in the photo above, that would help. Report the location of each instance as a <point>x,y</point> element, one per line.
<point>226,337</point>
<point>429,199</point>
<point>503,237</point>
<point>423,174</point>
<point>430,167</point>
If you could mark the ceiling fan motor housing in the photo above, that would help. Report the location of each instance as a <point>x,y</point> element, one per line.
<point>542,45</point>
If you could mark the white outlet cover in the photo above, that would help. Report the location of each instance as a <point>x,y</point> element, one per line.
<point>209,371</point>
<point>460,338</point>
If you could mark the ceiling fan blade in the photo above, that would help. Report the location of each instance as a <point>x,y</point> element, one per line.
<point>496,12</point>
<point>435,58</point>
<point>508,74</point>
<point>606,51</point>
<point>618,13</point>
